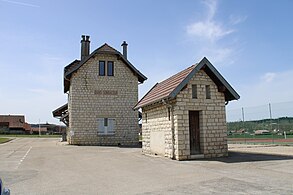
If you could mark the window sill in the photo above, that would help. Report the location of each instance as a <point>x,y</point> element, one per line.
<point>106,134</point>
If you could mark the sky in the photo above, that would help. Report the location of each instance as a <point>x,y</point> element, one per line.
<point>249,42</point>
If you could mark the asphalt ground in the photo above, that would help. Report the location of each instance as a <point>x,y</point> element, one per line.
<point>47,166</point>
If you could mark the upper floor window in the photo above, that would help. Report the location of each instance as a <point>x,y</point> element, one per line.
<point>208,92</point>
<point>102,68</point>
<point>110,68</point>
<point>194,91</point>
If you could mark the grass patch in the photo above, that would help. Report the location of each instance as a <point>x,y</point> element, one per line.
<point>4,140</point>
<point>248,136</point>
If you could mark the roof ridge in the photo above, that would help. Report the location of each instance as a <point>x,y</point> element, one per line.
<point>178,73</point>
<point>171,86</point>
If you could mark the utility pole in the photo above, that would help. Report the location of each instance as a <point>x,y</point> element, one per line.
<point>243,124</point>
<point>39,127</point>
<point>270,109</point>
<point>243,117</point>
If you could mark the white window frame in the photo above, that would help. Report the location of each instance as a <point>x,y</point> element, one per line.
<point>106,130</point>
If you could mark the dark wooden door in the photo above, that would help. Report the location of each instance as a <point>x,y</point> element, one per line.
<point>194,132</point>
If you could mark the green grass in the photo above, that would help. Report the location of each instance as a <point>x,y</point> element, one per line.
<point>259,136</point>
<point>4,139</point>
<point>262,143</point>
<point>32,136</point>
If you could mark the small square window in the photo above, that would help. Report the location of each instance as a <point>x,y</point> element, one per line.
<point>208,92</point>
<point>102,70</point>
<point>194,91</point>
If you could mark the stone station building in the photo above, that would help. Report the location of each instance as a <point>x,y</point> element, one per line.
<point>102,89</point>
<point>184,116</point>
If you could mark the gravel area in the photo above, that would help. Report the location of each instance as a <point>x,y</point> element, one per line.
<point>262,149</point>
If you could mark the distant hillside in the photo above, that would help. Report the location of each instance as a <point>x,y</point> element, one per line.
<point>281,124</point>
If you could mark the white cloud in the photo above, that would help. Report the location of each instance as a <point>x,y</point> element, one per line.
<point>217,54</point>
<point>209,28</point>
<point>269,77</point>
<point>236,19</point>
<point>209,32</point>
<point>271,87</point>
<point>21,3</point>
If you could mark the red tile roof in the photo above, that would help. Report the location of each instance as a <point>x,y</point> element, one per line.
<point>13,120</point>
<point>165,88</point>
<point>170,87</point>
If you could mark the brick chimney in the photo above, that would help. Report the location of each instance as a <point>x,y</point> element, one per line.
<point>124,46</point>
<point>85,46</point>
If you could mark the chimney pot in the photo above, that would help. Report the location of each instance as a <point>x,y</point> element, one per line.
<point>85,46</point>
<point>124,46</point>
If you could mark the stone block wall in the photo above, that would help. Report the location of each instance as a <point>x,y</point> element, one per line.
<point>92,97</point>
<point>213,129</point>
<point>156,130</point>
<point>212,117</point>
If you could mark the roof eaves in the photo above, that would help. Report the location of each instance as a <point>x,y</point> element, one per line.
<point>137,106</point>
<point>174,93</point>
<point>63,107</point>
<point>153,102</point>
<point>141,77</point>
<point>202,63</point>
<point>205,61</point>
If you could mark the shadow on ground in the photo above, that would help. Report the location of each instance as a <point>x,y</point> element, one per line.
<point>238,157</point>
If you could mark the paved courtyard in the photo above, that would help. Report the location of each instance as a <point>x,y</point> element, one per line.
<point>46,166</point>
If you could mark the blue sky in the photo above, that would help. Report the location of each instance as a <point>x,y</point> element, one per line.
<point>249,42</point>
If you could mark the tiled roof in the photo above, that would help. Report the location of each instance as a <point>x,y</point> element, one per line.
<point>164,89</point>
<point>14,121</point>
<point>71,66</point>
<point>59,111</point>
<point>68,68</point>
<point>170,87</point>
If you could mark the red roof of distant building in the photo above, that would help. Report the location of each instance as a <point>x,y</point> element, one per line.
<point>15,121</point>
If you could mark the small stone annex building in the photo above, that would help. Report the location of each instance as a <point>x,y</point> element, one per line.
<point>184,116</point>
<point>102,89</point>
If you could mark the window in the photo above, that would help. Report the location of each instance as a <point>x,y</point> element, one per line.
<point>208,92</point>
<point>110,68</point>
<point>194,91</point>
<point>169,113</point>
<point>102,70</point>
<point>146,117</point>
<point>106,126</point>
